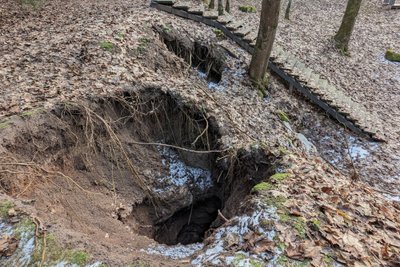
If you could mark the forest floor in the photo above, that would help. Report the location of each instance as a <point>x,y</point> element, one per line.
<point>365,75</point>
<point>61,146</point>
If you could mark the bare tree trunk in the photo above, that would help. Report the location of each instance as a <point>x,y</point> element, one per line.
<point>220,7</point>
<point>212,4</point>
<point>342,37</point>
<point>228,6</point>
<point>265,39</point>
<point>287,13</point>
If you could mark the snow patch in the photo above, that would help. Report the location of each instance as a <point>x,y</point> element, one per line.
<point>174,252</point>
<point>214,254</point>
<point>211,85</point>
<point>181,174</point>
<point>26,245</point>
<point>392,197</point>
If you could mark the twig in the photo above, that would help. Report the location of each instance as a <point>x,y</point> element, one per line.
<point>37,167</point>
<point>202,133</point>
<point>355,175</point>
<point>26,188</point>
<point>38,227</point>
<point>179,148</point>
<point>43,250</point>
<point>222,216</point>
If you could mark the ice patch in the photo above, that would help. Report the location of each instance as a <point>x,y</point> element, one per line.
<point>174,252</point>
<point>181,174</point>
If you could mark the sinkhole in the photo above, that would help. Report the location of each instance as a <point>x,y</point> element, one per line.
<point>156,155</point>
<point>208,60</point>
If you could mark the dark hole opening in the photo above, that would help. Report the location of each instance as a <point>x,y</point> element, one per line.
<point>208,60</point>
<point>190,224</point>
<point>186,209</point>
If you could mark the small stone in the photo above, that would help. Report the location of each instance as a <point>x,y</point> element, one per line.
<point>12,212</point>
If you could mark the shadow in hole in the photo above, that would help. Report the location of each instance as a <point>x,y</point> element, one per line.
<point>189,224</point>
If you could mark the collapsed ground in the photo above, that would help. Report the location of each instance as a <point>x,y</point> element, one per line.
<point>310,207</point>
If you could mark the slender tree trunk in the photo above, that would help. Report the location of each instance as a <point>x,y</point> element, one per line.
<point>287,13</point>
<point>228,6</point>
<point>265,39</point>
<point>220,7</point>
<point>212,4</point>
<point>342,37</point>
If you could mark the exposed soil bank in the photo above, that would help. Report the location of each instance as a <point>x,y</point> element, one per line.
<point>145,161</point>
<point>204,57</point>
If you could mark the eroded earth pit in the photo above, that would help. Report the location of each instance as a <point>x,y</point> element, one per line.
<point>124,171</point>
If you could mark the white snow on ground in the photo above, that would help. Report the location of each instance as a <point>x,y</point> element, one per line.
<point>211,85</point>
<point>181,174</point>
<point>357,150</point>
<point>26,245</point>
<point>214,254</point>
<point>392,197</point>
<point>175,252</point>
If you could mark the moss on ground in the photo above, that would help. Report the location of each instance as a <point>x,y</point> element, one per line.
<point>107,45</point>
<point>283,116</point>
<point>279,177</point>
<point>166,28</point>
<point>143,44</point>
<point>5,206</point>
<point>243,260</point>
<point>298,223</point>
<point>24,226</point>
<point>248,9</point>
<point>392,56</point>
<point>328,261</point>
<point>282,260</point>
<point>275,201</point>
<point>316,223</point>
<point>218,33</point>
<point>263,186</point>
<point>4,124</point>
<point>32,112</point>
<point>55,253</point>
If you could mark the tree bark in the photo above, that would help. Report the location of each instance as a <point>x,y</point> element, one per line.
<point>343,35</point>
<point>228,6</point>
<point>220,7</point>
<point>212,4</point>
<point>287,13</point>
<point>265,39</point>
